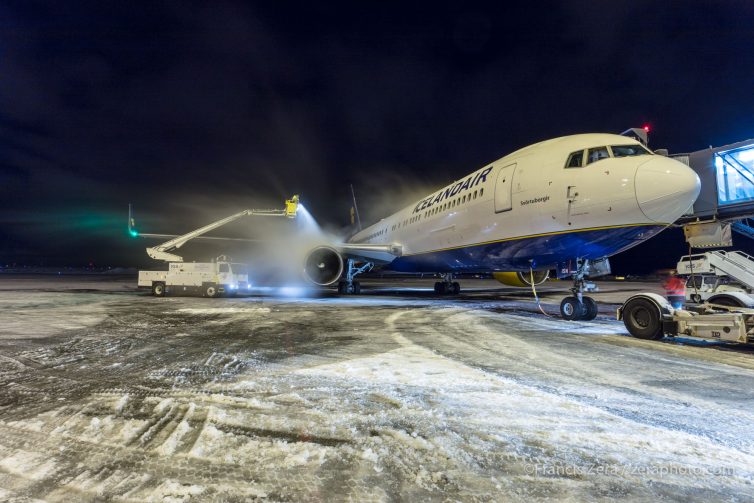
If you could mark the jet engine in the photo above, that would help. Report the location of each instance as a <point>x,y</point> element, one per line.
<point>521,278</point>
<point>323,266</point>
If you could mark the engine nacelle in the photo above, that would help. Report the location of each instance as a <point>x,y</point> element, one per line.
<point>519,278</point>
<point>323,266</point>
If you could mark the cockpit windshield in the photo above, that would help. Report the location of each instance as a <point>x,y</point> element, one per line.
<point>628,150</point>
<point>584,157</point>
<point>597,154</point>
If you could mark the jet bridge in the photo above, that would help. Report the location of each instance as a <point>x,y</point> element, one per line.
<point>726,200</point>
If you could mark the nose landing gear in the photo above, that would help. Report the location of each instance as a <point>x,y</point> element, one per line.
<point>578,306</point>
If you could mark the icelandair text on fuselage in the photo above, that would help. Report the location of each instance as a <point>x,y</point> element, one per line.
<point>467,184</point>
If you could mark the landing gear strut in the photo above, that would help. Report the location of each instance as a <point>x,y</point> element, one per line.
<point>347,285</point>
<point>447,286</point>
<point>578,306</point>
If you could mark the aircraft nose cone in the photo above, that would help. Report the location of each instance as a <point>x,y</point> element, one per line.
<point>665,188</point>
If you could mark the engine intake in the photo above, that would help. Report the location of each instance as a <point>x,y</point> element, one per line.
<point>519,278</point>
<point>323,266</point>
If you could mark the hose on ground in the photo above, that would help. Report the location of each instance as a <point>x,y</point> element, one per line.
<point>534,291</point>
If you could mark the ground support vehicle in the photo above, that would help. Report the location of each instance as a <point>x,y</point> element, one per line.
<point>650,316</point>
<point>719,277</point>
<point>210,279</point>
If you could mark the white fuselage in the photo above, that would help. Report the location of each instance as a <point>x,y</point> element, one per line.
<point>531,208</point>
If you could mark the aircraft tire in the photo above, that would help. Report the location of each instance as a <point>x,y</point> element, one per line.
<point>341,287</point>
<point>642,319</point>
<point>571,309</point>
<point>158,289</point>
<point>591,309</point>
<point>456,288</point>
<point>440,288</point>
<point>356,288</point>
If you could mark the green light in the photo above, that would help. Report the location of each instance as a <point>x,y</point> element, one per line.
<point>133,233</point>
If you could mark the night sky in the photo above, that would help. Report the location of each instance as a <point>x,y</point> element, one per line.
<point>191,111</point>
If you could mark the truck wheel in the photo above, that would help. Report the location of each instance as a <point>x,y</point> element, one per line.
<point>591,309</point>
<point>158,289</point>
<point>211,291</point>
<point>572,309</point>
<point>642,319</point>
<point>724,300</point>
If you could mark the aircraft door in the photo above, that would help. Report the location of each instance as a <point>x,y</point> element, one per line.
<point>504,188</point>
<point>574,202</point>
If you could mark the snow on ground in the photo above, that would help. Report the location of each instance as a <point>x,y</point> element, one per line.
<point>37,315</point>
<point>223,310</point>
<point>368,399</point>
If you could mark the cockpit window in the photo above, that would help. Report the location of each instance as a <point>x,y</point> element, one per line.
<point>628,150</point>
<point>597,154</point>
<point>575,160</point>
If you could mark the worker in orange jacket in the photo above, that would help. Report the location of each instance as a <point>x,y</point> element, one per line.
<point>675,290</point>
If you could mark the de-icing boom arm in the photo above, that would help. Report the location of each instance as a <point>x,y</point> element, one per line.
<point>162,251</point>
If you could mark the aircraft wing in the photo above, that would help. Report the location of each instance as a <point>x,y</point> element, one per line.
<point>376,253</point>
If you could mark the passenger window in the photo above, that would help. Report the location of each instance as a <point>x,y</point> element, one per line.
<point>481,191</point>
<point>597,154</point>
<point>475,194</point>
<point>575,160</point>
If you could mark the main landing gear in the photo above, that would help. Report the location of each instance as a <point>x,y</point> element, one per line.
<point>578,306</point>
<point>347,285</point>
<point>447,286</point>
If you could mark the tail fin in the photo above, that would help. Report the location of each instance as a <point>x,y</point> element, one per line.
<point>355,210</point>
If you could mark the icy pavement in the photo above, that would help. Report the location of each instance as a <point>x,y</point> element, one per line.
<point>114,395</point>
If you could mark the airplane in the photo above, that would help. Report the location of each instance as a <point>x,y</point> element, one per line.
<point>564,204</point>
